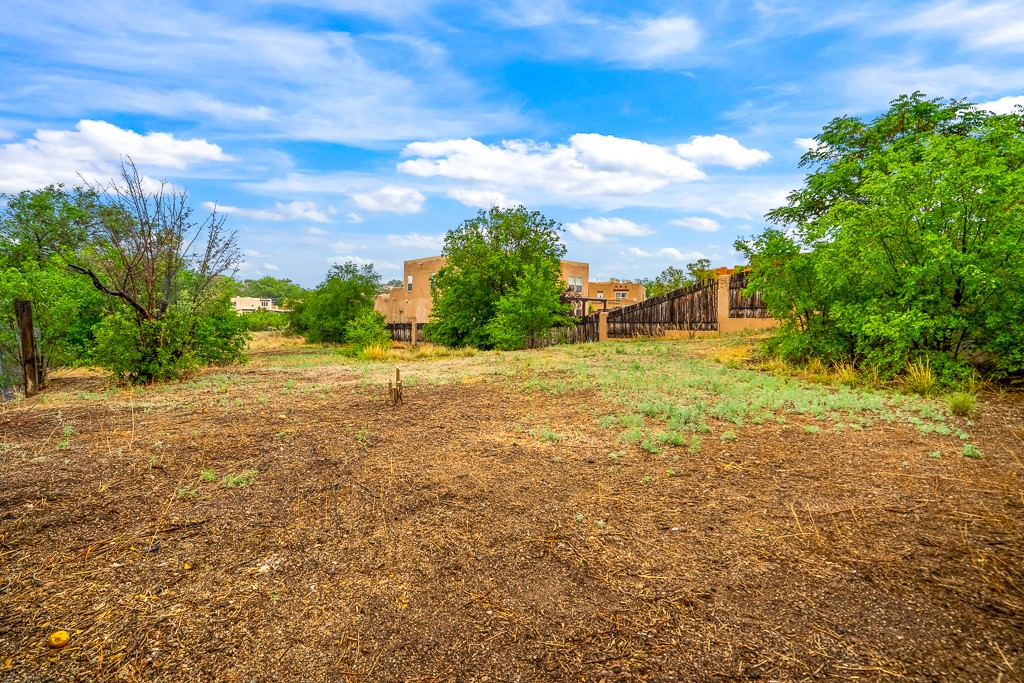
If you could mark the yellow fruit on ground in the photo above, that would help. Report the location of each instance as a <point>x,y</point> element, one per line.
<point>59,639</point>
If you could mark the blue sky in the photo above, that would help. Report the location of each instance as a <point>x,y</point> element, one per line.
<point>334,130</point>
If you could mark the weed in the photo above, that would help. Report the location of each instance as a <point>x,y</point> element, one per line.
<point>961,434</point>
<point>556,459</point>
<point>671,438</point>
<point>545,434</point>
<point>187,492</point>
<point>962,403</point>
<point>728,436</point>
<point>812,429</point>
<point>601,524</point>
<point>63,445</point>
<point>632,420</point>
<point>240,480</point>
<point>614,456</point>
<point>208,475</point>
<point>971,451</point>
<point>935,454</point>
<point>647,479</point>
<point>694,444</point>
<point>632,435</point>
<point>845,374</point>
<point>608,421</point>
<point>919,378</point>
<point>672,472</point>
<point>650,446</point>
<point>579,517</point>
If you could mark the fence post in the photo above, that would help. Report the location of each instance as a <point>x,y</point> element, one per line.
<point>29,360</point>
<point>602,326</point>
<point>724,324</point>
<point>412,331</point>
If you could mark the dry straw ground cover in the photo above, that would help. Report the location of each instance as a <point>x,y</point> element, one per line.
<point>648,511</point>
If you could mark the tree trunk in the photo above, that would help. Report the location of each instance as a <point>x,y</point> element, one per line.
<point>29,359</point>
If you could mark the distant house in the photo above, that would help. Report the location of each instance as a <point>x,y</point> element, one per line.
<point>618,293</point>
<point>251,304</point>
<point>412,301</point>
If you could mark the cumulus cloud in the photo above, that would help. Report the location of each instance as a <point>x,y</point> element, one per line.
<point>721,150</point>
<point>603,229</point>
<point>697,223</point>
<point>432,242</point>
<point>93,151</point>
<point>1004,105</point>
<point>281,212</point>
<point>481,199</point>
<point>353,218</point>
<point>665,252</point>
<point>253,253</point>
<point>270,266</point>
<point>806,144</point>
<point>590,164</point>
<point>345,246</point>
<point>391,198</point>
<point>316,231</point>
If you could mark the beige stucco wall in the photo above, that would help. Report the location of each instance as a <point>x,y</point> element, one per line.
<point>727,324</point>
<point>635,292</point>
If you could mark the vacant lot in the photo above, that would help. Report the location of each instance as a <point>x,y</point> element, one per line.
<point>652,511</point>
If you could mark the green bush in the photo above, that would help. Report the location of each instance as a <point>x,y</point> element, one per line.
<point>347,292</point>
<point>367,329</point>
<point>258,321</point>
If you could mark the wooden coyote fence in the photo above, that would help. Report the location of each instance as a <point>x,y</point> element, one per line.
<point>402,332</point>
<point>692,308</point>
<point>744,306</point>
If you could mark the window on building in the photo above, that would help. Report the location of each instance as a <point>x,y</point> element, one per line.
<point>265,304</point>
<point>409,283</point>
<point>600,295</point>
<point>578,281</point>
<point>620,295</point>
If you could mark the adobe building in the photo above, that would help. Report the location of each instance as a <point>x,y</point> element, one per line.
<point>412,301</point>
<point>618,293</point>
<point>251,304</point>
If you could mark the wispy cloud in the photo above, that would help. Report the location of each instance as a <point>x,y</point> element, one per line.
<point>418,241</point>
<point>698,223</point>
<point>281,212</point>
<point>391,198</point>
<point>670,253</point>
<point>604,229</point>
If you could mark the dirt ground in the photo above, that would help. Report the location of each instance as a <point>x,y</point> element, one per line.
<point>441,541</point>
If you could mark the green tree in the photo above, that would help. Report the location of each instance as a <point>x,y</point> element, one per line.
<point>906,240</point>
<point>489,258</point>
<point>347,292</point>
<point>280,290</point>
<point>673,278</point>
<point>527,311</point>
<point>367,329</point>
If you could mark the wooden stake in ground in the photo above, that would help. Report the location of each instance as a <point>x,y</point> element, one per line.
<point>29,360</point>
<point>395,389</point>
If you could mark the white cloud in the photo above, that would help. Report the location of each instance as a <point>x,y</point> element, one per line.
<point>316,231</point>
<point>353,218</point>
<point>391,198</point>
<point>653,41</point>
<point>270,266</point>
<point>346,246</point>
<point>358,260</point>
<point>481,199</point>
<point>281,212</point>
<point>1004,105</point>
<point>590,164</point>
<point>603,229</point>
<point>721,150</point>
<point>253,253</point>
<point>94,150</point>
<point>991,26</point>
<point>806,144</point>
<point>665,252</point>
<point>432,242</point>
<point>6,134</point>
<point>697,223</point>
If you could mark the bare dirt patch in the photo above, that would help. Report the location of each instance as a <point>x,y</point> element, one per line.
<point>450,539</point>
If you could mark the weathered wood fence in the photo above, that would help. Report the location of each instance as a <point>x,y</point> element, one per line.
<point>402,332</point>
<point>744,306</point>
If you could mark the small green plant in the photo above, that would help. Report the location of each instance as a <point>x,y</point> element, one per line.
<point>556,459</point>
<point>601,524</point>
<point>694,444</point>
<point>208,475</point>
<point>63,445</point>
<point>614,456</point>
<point>672,472</point>
<point>545,434</point>
<point>812,429</point>
<point>632,435</point>
<point>650,446</point>
<point>579,517</point>
<point>728,436</point>
<point>971,451</point>
<point>187,492</point>
<point>647,479</point>
<point>240,480</point>
<point>671,438</point>
<point>68,430</point>
<point>935,454</point>
<point>962,403</point>
<point>608,421</point>
<point>632,420</point>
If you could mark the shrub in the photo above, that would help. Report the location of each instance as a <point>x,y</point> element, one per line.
<point>962,403</point>
<point>367,329</point>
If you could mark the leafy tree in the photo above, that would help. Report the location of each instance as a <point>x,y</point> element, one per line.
<point>906,240</point>
<point>673,278</point>
<point>346,293</point>
<point>280,290</point>
<point>526,311</point>
<point>491,258</point>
